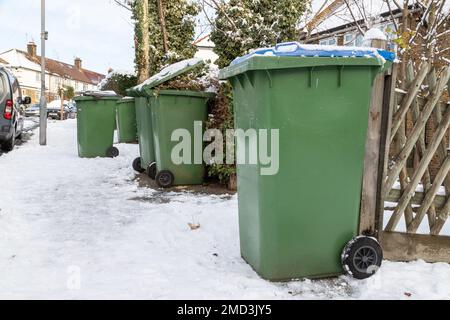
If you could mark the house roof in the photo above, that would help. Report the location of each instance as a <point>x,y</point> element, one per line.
<point>3,61</point>
<point>343,16</point>
<point>204,41</point>
<point>72,72</point>
<point>23,59</point>
<point>16,59</point>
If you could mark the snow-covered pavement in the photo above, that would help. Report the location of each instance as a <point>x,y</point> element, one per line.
<point>74,228</point>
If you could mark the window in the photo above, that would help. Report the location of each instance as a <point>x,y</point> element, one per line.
<point>389,30</point>
<point>3,86</point>
<point>349,39</point>
<point>328,41</point>
<point>359,40</point>
<point>16,90</point>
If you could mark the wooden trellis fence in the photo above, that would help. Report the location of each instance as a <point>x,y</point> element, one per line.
<point>412,202</point>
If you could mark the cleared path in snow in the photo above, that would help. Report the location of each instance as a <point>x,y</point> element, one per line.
<point>61,216</point>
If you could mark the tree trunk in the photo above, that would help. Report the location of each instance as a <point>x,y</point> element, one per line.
<point>142,44</point>
<point>162,23</point>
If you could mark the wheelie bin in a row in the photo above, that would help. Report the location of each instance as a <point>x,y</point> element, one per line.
<point>96,122</point>
<point>159,114</point>
<point>98,115</point>
<point>296,221</point>
<point>126,120</point>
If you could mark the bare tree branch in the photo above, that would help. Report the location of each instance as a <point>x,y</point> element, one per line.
<point>354,18</point>
<point>397,5</point>
<point>123,5</point>
<point>220,8</point>
<point>392,15</point>
<point>420,24</point>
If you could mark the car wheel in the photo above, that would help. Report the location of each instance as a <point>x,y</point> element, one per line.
<point>9,145</point>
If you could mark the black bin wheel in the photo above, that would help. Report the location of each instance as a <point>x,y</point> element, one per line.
<point>362,257</point>
<point>112,152</point>
<point>151,170</point>
<point>164,179</point>
<point>137,165</point>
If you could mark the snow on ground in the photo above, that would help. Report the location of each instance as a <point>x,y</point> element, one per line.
<point>30,123</point>
<point>62,217</point>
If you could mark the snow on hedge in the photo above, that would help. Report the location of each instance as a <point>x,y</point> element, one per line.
<point>168,71</point>
<point>113,73</point>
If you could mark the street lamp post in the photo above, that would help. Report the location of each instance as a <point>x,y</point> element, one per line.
<point>43,108</point>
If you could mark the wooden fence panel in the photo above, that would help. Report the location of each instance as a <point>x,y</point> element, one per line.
<point>406,185</point>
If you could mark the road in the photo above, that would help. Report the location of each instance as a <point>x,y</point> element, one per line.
<point>30,124</point>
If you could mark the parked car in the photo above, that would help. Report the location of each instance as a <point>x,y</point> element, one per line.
<point>54,109</point>
<point>33,110</point>
<point>11,109</point>
<point>73,108</point>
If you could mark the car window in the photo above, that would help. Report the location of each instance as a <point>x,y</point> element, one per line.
<point>3,86</point>
<point>16,91</point>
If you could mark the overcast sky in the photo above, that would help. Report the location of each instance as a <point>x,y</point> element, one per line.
<point>97,31</point>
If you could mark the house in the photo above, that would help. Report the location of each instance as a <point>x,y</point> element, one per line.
<point>340,22</point>
<point>205,49</point>
<point>26,66</point>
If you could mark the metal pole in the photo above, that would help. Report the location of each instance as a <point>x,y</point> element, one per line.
<point>43,109</point>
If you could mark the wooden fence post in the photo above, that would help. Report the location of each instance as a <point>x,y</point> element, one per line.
<point>370,192</point>
<point>389,101</point>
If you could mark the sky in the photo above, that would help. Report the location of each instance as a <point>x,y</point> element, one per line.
<point>98,31</point>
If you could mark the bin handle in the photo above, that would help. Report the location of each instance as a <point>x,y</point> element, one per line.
<point>286,47</point>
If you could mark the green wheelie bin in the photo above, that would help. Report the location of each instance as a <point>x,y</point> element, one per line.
<point>126,120</point>
<point>146,160</point>
<point>96,122</point>
<point>174,110</point>
<point>301,220</point>
<point>171,110</point>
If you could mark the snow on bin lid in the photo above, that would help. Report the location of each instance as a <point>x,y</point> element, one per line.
<point>168,73</point>
<point>125,100</point>
<point>295,49</point>
<point>99,94</point>
<point>86,95</point>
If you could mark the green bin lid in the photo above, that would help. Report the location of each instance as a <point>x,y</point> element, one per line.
<point>166,74</point>
<point>97,95</point>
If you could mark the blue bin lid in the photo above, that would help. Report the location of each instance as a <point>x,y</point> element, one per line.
<point>295,49</point>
